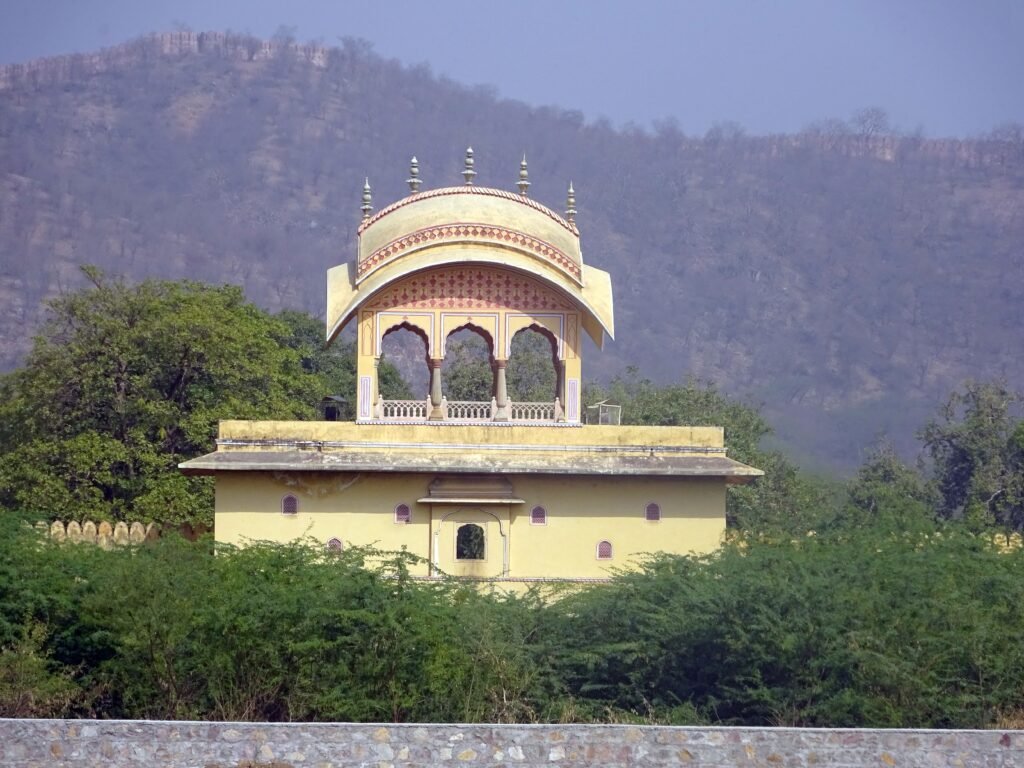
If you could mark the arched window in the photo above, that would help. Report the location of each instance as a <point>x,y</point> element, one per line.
<point>334,546</point>
<point>402,514</point>
<point>652,513</point>
<point>604,550</point>
<point>289,505</point>
<point>539,516</point>
<point>469,542</point>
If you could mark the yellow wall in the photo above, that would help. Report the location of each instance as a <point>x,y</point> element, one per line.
<point>581,511</point>
<point>462,435</point>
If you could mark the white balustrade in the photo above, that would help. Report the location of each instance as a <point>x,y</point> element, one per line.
<point>533,411</point>
<point>404,409</point>
<point>464,410</point>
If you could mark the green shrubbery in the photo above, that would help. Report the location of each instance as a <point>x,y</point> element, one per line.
<point>913,626</point>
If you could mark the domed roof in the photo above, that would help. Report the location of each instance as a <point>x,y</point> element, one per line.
<point>469,225</point>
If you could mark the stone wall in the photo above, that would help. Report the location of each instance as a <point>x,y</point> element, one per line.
<point>124,744</point>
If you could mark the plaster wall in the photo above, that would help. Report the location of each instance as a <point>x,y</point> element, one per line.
<point>581,511</point>
<point>138,744</point>
<point>460,436</point>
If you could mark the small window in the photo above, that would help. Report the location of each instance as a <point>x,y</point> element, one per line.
<point>402,514</point>
<point>289,505</point>
<point>469,542</point>
<point>334,546</point>
<point>652,513</point>
<point>539,516</point>
<point>604,550</point>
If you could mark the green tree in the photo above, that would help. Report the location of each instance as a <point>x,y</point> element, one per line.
<point>467,373</point>
<point>531,368</point>
<point>975,447</point>
<point>781,500</point>
<point>336,364</point>
<point>124,382</point>
<point>887,491</point>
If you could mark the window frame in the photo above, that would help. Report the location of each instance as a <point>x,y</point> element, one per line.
<point>647,512</point>
<point>483,530</point>
<point>408,514</point>
<point>289,497</point>
<point>543,515</point>
<point>611,550</point>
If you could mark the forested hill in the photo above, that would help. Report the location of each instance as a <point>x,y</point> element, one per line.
<point>847,277</point>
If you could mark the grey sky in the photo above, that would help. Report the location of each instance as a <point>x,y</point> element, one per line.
<point>953,68</point>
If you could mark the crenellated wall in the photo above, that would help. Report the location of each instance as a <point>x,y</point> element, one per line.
<point>134,744</point>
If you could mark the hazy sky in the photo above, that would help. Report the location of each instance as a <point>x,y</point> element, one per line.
<point>951,67</point>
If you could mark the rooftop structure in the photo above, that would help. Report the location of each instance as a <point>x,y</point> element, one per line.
<point>500,489</point>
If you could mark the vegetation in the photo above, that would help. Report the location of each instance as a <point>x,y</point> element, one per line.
<point>848,276</point>
<point>783,500</point>
<point>888,602</point>
<point>913,626</point>
<point>124,382</point>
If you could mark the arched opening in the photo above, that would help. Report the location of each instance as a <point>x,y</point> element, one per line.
<point>334,546</point>
<point>404,370</point>
<point>289,505</point>
<point>468,369</point>
<point>402,514</point>
<point>604,550</point>
<point>469,542</point>
<point>533,366</point>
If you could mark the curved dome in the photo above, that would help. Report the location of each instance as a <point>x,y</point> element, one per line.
<point>470,225</point>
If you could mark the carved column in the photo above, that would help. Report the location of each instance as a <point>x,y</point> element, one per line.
<point>436,414</point>
<point>501,391</point>
<point>560,380</point>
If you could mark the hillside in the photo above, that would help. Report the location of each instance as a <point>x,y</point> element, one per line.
<point>847,278</point>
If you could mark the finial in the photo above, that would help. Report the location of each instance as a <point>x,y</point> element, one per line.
<point>367,206</point>
<point>570,205</point>
<point>414,175</point>
<point>469,173</point>
<point>524,178</point>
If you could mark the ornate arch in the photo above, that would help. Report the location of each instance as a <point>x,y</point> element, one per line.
<point>421,325</point>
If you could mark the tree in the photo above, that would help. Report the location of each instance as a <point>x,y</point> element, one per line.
<point>976,451</point>
<point>467,373</point>
<point>125,382</point>
<point>781,500</point>
<point>887,490</point>
<point>336,365</point>
<point>531,368</point>
<point>870,122</point>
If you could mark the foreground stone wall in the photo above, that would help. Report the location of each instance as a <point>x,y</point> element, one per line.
<point>127,744</point>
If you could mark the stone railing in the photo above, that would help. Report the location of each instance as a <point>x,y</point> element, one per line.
<point>469,411</point>
<point>401,410</point>
<point>536,411</point>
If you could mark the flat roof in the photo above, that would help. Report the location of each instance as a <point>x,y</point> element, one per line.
<point>652,462</point>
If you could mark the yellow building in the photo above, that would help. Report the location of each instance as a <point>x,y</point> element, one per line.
<point>504,490</point>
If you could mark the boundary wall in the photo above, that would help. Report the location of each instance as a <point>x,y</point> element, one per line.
<point>137,743</point>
